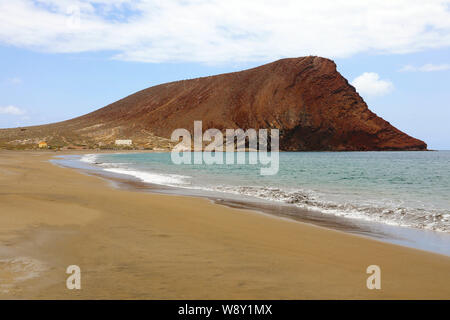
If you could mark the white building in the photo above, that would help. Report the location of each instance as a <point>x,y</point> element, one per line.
<point>124,142</point>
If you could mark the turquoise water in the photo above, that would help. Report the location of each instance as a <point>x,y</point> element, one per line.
<point>399,188</point>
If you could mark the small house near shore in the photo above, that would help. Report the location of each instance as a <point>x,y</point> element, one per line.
<point>43,145</point>
<point>124,142</point>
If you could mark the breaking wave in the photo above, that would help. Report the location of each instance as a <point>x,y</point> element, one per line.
<point>436,220</point>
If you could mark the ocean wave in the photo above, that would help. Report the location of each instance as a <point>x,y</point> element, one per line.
<point>153,178</point>
<point>436,220</point>
<point>144,176</point>
<point>89,158</point>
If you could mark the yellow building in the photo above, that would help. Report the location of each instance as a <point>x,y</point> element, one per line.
<point>43,144</point>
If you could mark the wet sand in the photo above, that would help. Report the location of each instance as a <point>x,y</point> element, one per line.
<point>135,245</point>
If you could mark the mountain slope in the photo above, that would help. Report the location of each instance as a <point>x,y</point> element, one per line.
<point>314,107</point>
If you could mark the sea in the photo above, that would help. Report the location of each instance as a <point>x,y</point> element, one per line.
<point>399,197</point>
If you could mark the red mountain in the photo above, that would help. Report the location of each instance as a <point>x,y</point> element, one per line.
<point>312,105</point>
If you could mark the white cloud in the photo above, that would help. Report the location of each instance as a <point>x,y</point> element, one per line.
<point>15,80</point>
<point>370,84</point>
<point>11,110</point>
<point>225,31</point>
<point>429,67</point>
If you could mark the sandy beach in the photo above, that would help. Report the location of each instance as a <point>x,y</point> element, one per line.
<point>135,245</point>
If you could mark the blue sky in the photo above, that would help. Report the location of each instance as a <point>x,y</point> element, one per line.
<point>61,59</point>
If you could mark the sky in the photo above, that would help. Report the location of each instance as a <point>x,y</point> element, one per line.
<point>63,58</point>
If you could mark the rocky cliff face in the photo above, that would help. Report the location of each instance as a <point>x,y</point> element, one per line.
<point>312,105</point>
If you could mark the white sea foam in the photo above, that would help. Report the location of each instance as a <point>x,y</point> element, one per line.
<point>390,213</point>
<point>145,176</point>
<point>154,178</point>
<point>89,158</point>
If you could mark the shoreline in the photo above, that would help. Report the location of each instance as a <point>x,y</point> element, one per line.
<point>153,246</point>
<point>436,241</point>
